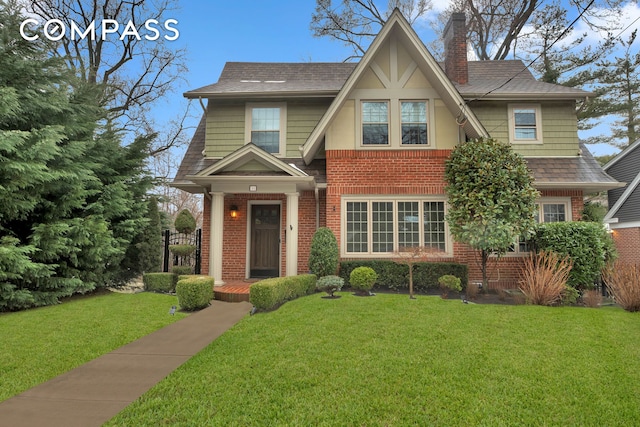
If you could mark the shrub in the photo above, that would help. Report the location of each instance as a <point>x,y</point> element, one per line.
<point>330,284</point>
<point>395,276</point>
<point>185,223</point>
<point>449,282</point>
<point>362,279</point>
<point>159,282</point>
<point>182,250</point>
<point>195,293</point>
<point>592,298</point>
<point>623,281</point>
<point>583,242</point>
<point>269,294</point>
<point>324,254</point>
<point>544,276</point>
<point>181,270</point>
<point>569,295</point>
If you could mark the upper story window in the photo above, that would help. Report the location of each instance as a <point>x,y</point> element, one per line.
<point>265,126</point>
<point>413,117</point>
<point>525,124</point>
<point>375,123</point>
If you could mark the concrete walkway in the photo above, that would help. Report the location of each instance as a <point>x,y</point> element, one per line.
<point>95,392</point>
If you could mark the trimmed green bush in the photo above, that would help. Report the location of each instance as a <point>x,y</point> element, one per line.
<point>394,276</point>
<point>324,255</point>
<point>181,270</point>
<point>449,282</point>
<point>182,250</point>
<point>330,284</point>
<point>159,282</point>
<point>185,223</point>
<point>269,294</point>
<point>195,293</point>
<point>362,279</point>
<point>582,241</point>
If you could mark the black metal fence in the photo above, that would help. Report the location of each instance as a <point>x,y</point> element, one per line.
<point>174,238</point>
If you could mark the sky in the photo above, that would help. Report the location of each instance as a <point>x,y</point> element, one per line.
<point>218,31</point>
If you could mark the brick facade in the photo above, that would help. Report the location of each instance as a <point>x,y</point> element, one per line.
<point>415,172</point>
<point>627,242</point>
<point>234,259</point>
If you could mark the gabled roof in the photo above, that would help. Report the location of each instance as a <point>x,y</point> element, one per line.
<point>248,154</point>
<point>633,186</point>
<point>450,96</point>
<point>258,79</point>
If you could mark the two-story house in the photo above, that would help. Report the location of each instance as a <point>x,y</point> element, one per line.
<point>284,148</point>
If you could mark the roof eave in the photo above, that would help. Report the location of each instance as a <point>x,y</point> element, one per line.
<point>478,96</point>
<point>587,187</point>
<point>262,95</point>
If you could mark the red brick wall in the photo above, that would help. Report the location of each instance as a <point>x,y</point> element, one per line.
<point>421,172</point>
<point>234,259</point>
<point>627,242</point>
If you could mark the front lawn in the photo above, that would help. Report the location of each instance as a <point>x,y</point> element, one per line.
<point>39,344</point>
<point>390,361</point>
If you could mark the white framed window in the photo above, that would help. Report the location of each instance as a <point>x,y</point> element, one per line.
<point>525,124</point>
<point>413,123</point>
<point>547,210</point>
<point>375,123</point>
<point>265,126</point>
<point>383,225</point>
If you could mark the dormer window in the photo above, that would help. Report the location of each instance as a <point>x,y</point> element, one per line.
<point>375,123</point>
<point>525,124</point>
<point>265,126</point>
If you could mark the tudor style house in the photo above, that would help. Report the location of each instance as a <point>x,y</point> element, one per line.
<point>623,217</point>
<point>284,148</point>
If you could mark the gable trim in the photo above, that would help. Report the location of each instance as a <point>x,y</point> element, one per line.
<point>246,154</point>
<point>471,124</point>
<point>627,193</point>
<point>621,155</point>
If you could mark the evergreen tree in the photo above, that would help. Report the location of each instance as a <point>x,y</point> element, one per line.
<point>73,197</point>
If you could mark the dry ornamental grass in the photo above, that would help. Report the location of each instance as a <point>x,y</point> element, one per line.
<point>543,277</point>
<point>623,281</point>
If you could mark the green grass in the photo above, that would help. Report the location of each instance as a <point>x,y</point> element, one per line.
<point>390,361</point>
<point>42,343</point>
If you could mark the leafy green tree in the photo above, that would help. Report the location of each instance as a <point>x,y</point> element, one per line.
<point>491,197</point>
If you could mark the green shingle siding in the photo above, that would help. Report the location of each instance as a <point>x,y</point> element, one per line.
<point>559,128</point>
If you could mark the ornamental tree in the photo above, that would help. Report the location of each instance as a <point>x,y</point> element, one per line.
<point>491,197</point>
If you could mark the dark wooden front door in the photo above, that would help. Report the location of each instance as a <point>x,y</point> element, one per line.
<point>265,241</point>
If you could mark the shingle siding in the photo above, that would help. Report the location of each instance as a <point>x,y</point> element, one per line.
<point>626,170</point>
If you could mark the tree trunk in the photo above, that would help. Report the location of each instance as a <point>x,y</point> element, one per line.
<point>485,280</point>
<point>411,282</point>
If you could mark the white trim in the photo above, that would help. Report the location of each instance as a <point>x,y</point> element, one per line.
<point>370,198</point>
<point>623,198</point>
<point>247,264</point>
<point>621,155</point>
<point>633,224</point>
<point>216,237</point>
<point>291,234</point>
<point>249,106</point>
<point>512,123</point>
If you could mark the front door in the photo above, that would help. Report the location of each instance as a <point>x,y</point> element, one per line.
<point>265,241</point>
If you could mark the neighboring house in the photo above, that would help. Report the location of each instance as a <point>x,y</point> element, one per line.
<point>283,148</point>
<point>623,217</point>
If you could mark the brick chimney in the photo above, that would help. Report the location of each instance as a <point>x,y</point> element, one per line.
<point>455,49</point>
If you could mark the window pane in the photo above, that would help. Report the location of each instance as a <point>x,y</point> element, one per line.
<point>414,123</point>
<point>375,123</point>
<point>524,133</point>
<point>553,212</point>
<point>357,227</point>
<point>525,117</point>
<point>265,119</point>
<point>382,226</point>
<point>265,128</point>
<point>408,224</point>
<point>269,141</point>
<point>434,225</point>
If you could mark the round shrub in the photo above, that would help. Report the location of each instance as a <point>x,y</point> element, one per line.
<point>330,284</point>
<point>182,250</point>
<point>450,282</point>
<point>181,269</point>
<point>362,279</point>
<point>324,254</point>
<point>185,223</point>
<point>194,293</point>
